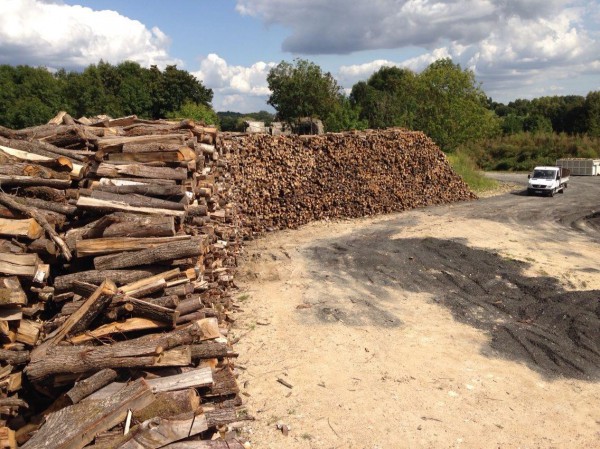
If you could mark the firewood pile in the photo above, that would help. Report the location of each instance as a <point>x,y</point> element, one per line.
<point>118,244</point>
<point>287,181</point>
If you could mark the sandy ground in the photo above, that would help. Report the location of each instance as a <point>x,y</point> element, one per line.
<point>379,361</point>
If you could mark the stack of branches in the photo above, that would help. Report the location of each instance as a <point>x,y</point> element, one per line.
<point>118,244</point>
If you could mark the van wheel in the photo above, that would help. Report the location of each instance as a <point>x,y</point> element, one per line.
<point>552,192</point>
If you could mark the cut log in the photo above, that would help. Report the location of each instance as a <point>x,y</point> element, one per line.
<point>53,206</point>
<point>28,332</point>
<point>177,250</point>
<point>158,432</point>
<point>48,360</point>
<point>158,156</point>
<point>25,265</point>
<point>143,189</point>
<point>137,200</point>
<point>153,312</point>
<point>87,312</point>
<point>75,169</point>
<point>9,201</point>
<point>75,426</point>
<point>94,247</point>
<point>136,287</point>
<point>66,282</point>
<point>170,404</point>
<point>130,325</point>
<point>141,171</point>
<point>89,203</point>
<point>180,356</point>
<point>120,224</point>
<point>21,228</point>
<point>197,378</point>
<point>209,350</point>
<point>84,388</point>
<point>14,357</point>
<point>11,292</point>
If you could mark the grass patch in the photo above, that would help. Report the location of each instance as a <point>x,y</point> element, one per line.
<point>467,169</point>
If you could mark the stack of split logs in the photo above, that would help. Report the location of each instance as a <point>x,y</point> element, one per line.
<point>118,244</point>
<point>287,181</point>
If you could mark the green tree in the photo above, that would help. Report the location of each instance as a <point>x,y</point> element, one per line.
<point>196,112</point>
<point>452,107</point>
<point>302,89</point>
<point>387,98</point>
<point>345,116</point>
<point>592,113</point>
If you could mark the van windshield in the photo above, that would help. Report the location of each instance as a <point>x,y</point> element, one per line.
<point>544,174</point>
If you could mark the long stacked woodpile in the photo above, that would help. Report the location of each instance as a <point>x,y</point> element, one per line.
<point>117,249</point>
<point>287,181</point>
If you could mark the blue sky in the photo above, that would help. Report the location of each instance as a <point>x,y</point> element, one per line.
<point>517,48</point>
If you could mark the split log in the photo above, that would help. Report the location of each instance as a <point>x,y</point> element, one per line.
<point>197,378</point>
<point>9,201</point>
<point>177,250</point>
<point>170,404</point>
<point>139,285</point>
<point>84,388</point>
<point>33,170</point>
<point>85,202</point>
<point>11,292</point>
<point>127,326</point>
<point>87,312</point>
<point>158,432</point>
<point>25,265</point>
<point>21,228</point>
<point>43,149</point>
<point>75,426</point>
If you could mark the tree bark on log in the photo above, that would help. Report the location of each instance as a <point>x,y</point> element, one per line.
<point>141,171</point>
<point>89,203</point>
<point>48,360</point>
<point>9,202</point>
<point>95,247</point>
<point>66,282</point>
<point>84,388</point>
<point>177,250</point>
<point>137,200</point>
<point>75,426</point>
<point>120,224</point>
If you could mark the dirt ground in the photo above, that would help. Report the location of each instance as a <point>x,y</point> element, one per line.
<point>474,325</point>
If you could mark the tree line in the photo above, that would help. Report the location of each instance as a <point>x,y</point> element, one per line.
<point>445,101</point>
<point>31,96</point>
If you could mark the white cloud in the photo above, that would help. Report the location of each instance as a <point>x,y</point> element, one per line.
<point>334,27</point>
<point>53,34</point>
<point>235,87</point>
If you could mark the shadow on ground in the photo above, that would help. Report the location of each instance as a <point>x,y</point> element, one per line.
<point>529,319</point>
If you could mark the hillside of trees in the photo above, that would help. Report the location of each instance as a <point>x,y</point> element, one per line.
<point>444,101</point>
<point>31,96</point>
